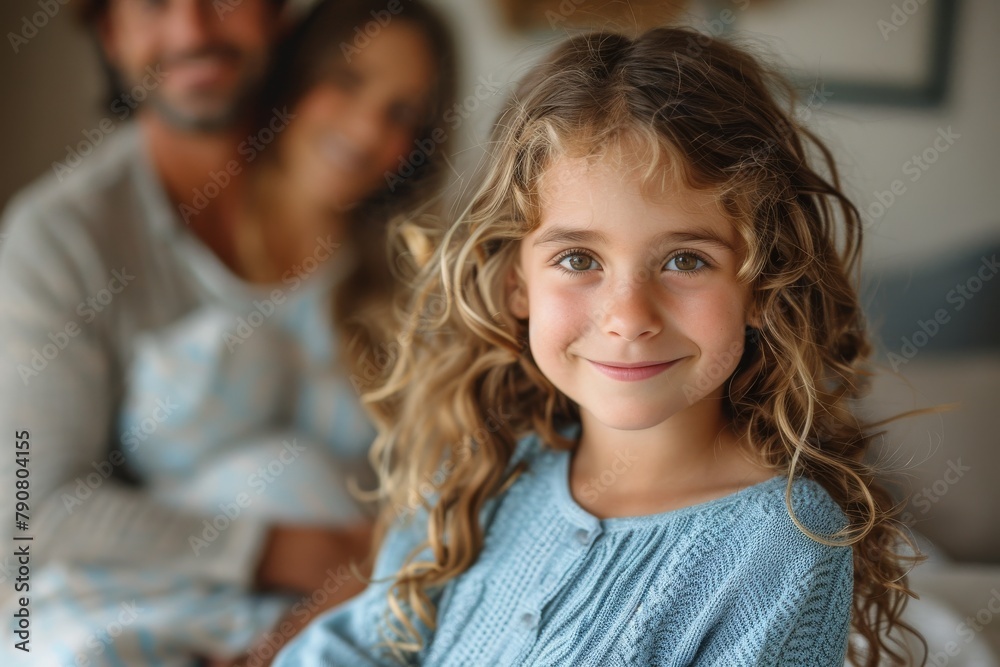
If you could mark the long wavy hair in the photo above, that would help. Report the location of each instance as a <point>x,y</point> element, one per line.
<point>716,120</point>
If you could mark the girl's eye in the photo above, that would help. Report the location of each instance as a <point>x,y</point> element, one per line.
<point>576,262</point>
<point>685,263</point>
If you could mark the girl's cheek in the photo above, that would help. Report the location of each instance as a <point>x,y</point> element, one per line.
<point>569,310</point>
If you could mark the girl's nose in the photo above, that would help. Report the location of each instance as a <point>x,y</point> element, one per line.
<point>631,312</point>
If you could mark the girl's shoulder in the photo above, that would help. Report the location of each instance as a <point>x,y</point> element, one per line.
<point>807,501</point>
<point>799,520</point>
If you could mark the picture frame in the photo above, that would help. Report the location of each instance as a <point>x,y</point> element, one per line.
<point>888,53</point>
<point>872,52</point>
<point>625,15</point>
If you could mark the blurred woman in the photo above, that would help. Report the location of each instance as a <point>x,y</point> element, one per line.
<point>245,410</point>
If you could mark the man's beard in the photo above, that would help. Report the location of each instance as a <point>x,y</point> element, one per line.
<point>236,111</point>
<point>216,115</point>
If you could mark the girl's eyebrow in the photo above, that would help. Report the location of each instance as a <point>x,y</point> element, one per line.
<point>569,235</point>
<point>697,235</point>
<point>555,235</point>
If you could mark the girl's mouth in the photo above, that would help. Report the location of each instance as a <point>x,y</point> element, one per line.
<point>631,372</point>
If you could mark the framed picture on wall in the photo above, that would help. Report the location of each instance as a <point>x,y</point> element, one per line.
<point>625,15</point>
<point>887,52</point>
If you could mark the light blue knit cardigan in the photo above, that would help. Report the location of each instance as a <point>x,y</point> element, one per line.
<point>728,582</point>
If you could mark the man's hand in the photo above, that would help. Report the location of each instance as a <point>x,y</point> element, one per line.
<point>298,559</point>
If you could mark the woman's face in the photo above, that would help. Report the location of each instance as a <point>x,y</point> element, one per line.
<point>352,129</point>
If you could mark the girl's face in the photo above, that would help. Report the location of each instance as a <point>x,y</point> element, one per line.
<point>633,305</point>
<point>351,129</point>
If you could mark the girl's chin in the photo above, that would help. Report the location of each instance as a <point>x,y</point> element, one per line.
<point>618,421</point>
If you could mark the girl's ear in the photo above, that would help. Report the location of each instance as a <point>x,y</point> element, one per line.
<point>517,293</point>
<point>753,317</point>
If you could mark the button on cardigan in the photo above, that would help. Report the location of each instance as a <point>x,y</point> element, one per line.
<point>731,581</point>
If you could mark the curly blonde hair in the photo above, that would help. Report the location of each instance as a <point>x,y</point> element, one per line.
<point>716,120</point>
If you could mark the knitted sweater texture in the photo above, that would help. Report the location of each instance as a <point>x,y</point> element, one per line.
<point>727,582</point>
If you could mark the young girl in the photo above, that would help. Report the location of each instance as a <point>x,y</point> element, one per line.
<point>622,433</point>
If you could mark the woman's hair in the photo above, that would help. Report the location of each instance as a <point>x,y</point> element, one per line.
<point>327,34</point>
<point>706,116</point>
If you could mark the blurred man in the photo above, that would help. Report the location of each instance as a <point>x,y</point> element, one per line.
<point>100,255</point>
<point>200,65</point>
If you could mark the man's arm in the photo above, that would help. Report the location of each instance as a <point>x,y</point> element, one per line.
<point>56,387</point>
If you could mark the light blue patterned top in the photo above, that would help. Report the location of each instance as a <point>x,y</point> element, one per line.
<point>727,582</point>
<point>174,414</point>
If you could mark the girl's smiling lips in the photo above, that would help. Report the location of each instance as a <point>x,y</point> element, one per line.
<point>630,372</point>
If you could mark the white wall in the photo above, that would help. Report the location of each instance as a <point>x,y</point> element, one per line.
<point>51,87</point>
<point>953,204</point>
<point>52,93</point>
<point>949,207</point>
